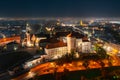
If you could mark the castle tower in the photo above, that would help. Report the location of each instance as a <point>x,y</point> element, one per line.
<point>71,42</point>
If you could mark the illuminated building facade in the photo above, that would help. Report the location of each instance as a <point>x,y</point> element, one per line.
<point>56,50</point>
<point>28,36</point>
<point>28,39</point>
<point>81,23</point>
<point>78,43</point>
<point>75,42</point>
<point>86,45</point>
<point>71,43</point>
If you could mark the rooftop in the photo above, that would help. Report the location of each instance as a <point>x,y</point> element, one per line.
<point>42,35</point>
<point>49,40</point>
<point>75,34</point>
<point>85,39</point>
<point>55,45</point>
<point>62,34</point>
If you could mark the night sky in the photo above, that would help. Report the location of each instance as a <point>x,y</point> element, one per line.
<point>59,8</point>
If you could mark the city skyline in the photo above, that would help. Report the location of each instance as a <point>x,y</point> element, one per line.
<point>59,8</point>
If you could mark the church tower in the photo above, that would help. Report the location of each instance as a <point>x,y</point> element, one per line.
<point>28,34</point>
<point>81,22</point>
<point>28,27</point>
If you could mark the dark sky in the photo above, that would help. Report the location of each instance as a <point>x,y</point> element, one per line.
<point>59,8</point>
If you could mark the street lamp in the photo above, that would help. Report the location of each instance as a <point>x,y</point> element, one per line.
<point>30,75</point>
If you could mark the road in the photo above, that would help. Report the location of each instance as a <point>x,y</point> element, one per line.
<point>50,67</point>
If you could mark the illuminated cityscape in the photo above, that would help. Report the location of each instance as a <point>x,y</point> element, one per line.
<point>60,40</point>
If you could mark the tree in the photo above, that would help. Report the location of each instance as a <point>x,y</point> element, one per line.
<point>110,63</point>
<point>67,58</point>
<point>102,64</point>
<point>86,64</point>
<point>101,52</point>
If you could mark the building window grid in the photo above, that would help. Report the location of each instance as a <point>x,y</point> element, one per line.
<point>86,48</point>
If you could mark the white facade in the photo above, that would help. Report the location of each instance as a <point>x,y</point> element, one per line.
<point>86,47</point>
<point>79,45</point>
<point>28,39</point>
<point>71,44</point>
<point>56,52</point>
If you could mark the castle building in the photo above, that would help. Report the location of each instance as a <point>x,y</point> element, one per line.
<point>86,45</point>
<point>62,36</point>
<point>75,42</point>
<point>56,50</point>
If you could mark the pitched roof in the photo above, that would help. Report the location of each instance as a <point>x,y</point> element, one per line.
<point>10,43</point>
<point>85,39</point>
<point>42,35</point>
<point>93,39</point>
<point>75,34</point>
<point>56,45</point>
<point>62,34</point>
<point>50,40</point>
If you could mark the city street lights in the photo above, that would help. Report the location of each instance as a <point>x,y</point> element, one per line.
<point>30,75</point>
